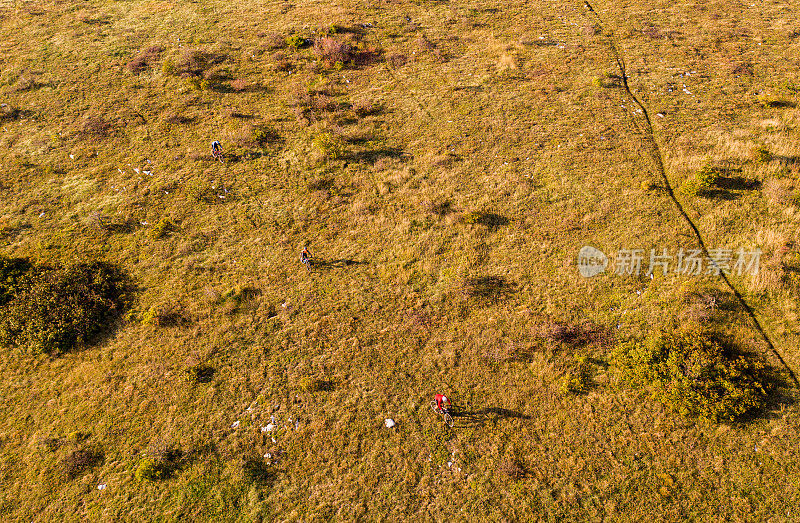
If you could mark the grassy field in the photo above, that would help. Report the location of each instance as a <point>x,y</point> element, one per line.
<point>444,162</point>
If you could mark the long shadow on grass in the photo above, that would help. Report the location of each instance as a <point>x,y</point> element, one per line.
<point>331,264</point>
<point>374,155</point>
<point>485,416</point>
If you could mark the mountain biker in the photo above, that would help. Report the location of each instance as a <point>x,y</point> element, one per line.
<point>305,257</point>
<point>216,150</point>
<point>441,401</point>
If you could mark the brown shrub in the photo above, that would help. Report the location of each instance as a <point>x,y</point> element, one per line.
<point>25,83</point>
<point>332,51</point>
<point>283,63</point>
<point>512,468</point>
<point>80,460</point>
<point>274,41</point>
<point>366,108</point>
<point>782,191</point>
<point>239,85</point>
<point>397,60</point>
<point>145,59</point>
<point>742,69</point>
<point>651,31</point>
<point>572,334</point>
<point>8,112</point>
<point>194,62</point>
<point>95,126</point>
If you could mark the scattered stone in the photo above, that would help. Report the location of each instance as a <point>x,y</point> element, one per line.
<point>389,423</point>
<point>235,424</point>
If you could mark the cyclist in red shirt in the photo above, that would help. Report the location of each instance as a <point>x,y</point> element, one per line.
<point>306,258</point>
<point>441,401</point>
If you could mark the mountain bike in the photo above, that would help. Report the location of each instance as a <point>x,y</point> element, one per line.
<point>445,413</point>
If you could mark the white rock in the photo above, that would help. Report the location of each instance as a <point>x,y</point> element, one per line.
<point>389,423</point>
<point>270,427</point>
<point>235,424</point>
<point>263,429</point>
<point>268,455</point>
<point>101,486</point>
<point>72,156</point>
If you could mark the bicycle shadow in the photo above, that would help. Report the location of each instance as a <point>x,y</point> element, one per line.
<point>488,415</point>
<point>318,263</point>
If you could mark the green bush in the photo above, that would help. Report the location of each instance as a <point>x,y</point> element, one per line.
<point>169,68</point>
<point>59,309</point>
<point>761,154</point>
<point>703,181</point>
<point>149,469</point>
<point>297,42</point>
<point>13,272</point>
<point>577,379</point>
<point>163,228</point>
<point>330,146</point>
<point>694,375</point>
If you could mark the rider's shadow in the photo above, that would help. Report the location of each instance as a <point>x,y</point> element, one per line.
<point>485,416</point>
<point>333,264</point>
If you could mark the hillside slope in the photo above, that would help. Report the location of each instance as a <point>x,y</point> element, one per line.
<point>444,163</point>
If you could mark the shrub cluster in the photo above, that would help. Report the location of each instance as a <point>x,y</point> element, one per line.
<point>54,310</point>
<point>577,378</point>
<point>13,272</point>
<point>161,463</point>
<point>512,468</point>
<point>145,59</point>
<point>695,375</point>
<point>338,53</point>
<point>79,460</point>
<point>330,146</point>
<point>8,112</point>
<point>703,182</point>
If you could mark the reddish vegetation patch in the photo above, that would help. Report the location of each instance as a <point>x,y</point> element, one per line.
<point>145,59</point>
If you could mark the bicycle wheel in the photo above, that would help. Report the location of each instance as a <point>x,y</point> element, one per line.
<point>448,419</point>
<point>433,407</point>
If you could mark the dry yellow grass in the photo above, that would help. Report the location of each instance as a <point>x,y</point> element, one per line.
<point>446,221</point>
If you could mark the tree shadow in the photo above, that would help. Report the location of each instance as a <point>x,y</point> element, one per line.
<point>737,183</point>
<point>729,187</point>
